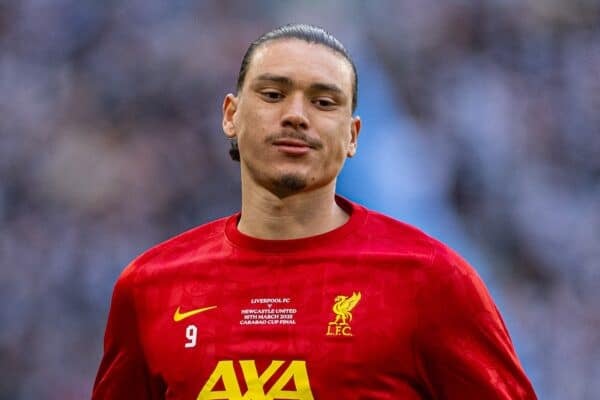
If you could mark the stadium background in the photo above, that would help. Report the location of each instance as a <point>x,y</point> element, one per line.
<point>481,125</point>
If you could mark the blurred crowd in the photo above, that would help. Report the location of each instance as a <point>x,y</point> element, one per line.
<point>110,142</point>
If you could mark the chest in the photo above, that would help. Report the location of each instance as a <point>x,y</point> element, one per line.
<point>280,329</point>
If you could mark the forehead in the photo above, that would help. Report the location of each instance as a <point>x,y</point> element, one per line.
<point>302,62</point>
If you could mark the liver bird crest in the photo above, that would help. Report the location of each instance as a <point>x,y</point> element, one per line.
<point>342,307</point>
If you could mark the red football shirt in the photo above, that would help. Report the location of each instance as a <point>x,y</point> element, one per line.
<point>374,309</point>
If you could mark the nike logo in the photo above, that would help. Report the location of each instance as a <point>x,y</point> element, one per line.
<point>179,316</point>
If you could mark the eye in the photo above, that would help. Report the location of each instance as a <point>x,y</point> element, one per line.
<point>324,103</point>
<point>271,95</point>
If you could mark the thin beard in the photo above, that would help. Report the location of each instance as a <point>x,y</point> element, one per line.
<point>289,184</point>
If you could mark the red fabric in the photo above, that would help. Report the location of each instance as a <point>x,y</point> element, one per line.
<point>423,327</point>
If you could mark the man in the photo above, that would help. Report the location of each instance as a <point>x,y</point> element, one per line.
<point>302,295</point>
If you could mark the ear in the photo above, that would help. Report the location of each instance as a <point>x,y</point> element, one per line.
<point>355,125</point>
<point>229,109</point>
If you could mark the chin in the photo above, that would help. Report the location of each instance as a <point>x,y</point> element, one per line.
<point>289,184</point>
<point>292,182</point>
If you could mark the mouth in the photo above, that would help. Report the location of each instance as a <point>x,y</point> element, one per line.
<point>295,147</point>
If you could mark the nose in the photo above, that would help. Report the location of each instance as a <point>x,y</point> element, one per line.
<point>294,115</point>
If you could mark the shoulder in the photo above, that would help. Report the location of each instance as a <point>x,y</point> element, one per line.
<point>450,286</point>
<point>174,250</point>
<point>382,233</point>
<point>383,225</point>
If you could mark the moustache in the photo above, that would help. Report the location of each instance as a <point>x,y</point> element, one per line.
<point>312,142</point>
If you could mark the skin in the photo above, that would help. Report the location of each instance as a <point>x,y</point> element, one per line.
<point>294,126</point>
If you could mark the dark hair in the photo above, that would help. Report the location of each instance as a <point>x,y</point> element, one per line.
<point>307,33</point>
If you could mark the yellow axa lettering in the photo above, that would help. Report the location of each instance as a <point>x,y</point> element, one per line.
<point>255,382</point>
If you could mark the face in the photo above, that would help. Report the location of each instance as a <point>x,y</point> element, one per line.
<point>293,117</point>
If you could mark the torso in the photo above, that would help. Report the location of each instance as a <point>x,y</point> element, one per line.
<point>274,333</point>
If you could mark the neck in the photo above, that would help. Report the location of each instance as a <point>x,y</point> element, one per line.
<point>304,214</point>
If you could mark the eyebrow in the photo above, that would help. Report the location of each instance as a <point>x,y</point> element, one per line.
<point>284,80</point>
<point>275,78</point>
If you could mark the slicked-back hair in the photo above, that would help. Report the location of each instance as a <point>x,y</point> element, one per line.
<point>307,33</point>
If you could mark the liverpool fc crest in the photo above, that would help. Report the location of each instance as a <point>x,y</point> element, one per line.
<point>342,307</point>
